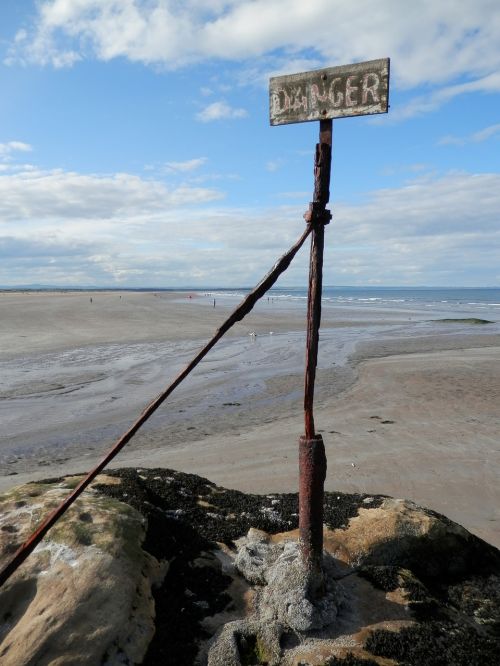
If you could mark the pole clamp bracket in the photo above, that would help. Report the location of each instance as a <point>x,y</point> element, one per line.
<point>317,214</point>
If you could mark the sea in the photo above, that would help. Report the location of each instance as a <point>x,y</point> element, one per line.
<point>463,302</point>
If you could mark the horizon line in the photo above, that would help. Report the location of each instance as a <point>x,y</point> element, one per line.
<point>45,287</point>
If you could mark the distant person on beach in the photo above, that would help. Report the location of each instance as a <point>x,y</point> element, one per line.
<point>214,302</point>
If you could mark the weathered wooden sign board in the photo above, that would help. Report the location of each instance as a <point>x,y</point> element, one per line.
<point>336,92</point>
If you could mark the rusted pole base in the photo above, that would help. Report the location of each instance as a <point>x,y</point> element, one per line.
<point>312,470</point>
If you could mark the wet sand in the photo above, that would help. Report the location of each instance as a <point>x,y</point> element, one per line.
<point>405,408</point>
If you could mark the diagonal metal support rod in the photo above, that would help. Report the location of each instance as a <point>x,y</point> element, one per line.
<point>237,315</point>
<point>312,459</point>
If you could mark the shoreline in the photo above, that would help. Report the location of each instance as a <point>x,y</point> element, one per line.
<point>435,388</point>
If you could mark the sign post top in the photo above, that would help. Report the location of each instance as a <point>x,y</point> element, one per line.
<point>336,92</point>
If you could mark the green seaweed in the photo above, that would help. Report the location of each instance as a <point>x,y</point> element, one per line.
<point>252,651</point>
<point>434,644</point>
<point>83,533</point>
<point>349,660</point>
<point>469,320</point>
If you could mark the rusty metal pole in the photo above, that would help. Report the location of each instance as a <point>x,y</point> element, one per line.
<point>312,458</point>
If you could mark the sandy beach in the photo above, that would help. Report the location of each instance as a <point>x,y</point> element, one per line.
<point>407,407</point>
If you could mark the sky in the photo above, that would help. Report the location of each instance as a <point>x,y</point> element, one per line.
<point>136,148</point>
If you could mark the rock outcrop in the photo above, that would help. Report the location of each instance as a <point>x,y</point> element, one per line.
<point>84,595</point>
<point>159,567</point>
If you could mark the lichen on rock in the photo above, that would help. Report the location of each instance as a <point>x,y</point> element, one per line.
<point>84,594</point>
<point>284,596</point>
<point>281,602</point>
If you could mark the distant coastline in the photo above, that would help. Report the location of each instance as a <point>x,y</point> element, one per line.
<point>452,302</point>
<point>198,288</point>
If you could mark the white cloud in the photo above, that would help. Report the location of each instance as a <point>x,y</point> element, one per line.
<point>257,71</point>
<point>220,111</point>
<point>37,195</point>
<point>493,131</point>
<point>430,206</point>
<point>434,230</point>
<point>486,133</point>
<point>274,165</point>
<point>68,228</point>
<point>429,42</point>
<point>187,165</point>
<point>434,100</point>
<point>6,149</point>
